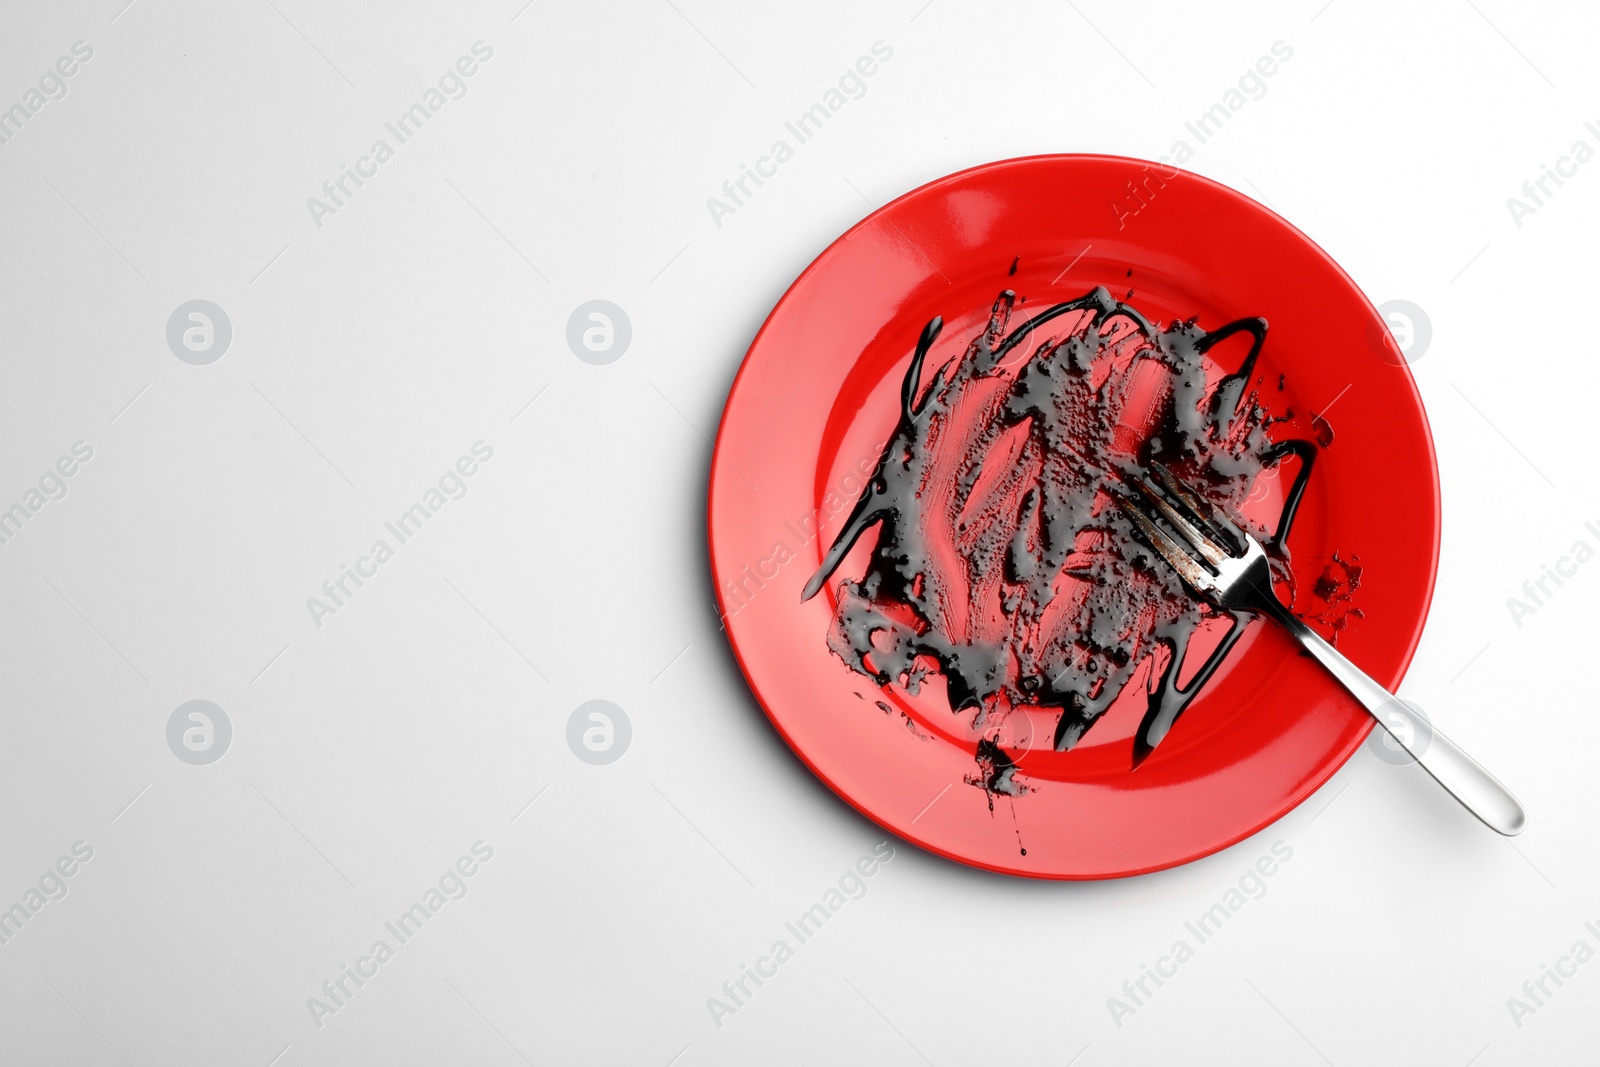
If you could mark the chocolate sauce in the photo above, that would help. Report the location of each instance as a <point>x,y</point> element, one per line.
<point>1001,559</point>
<point>996,772</point>
<point>1323,432</point>
<point>1335,587</point>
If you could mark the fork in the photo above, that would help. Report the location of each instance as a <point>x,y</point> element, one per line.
<point>1227,567</point>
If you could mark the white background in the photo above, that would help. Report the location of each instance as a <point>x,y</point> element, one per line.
<point>372,351</point>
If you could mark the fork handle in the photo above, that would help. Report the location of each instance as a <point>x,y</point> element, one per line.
<point>1477,790</point>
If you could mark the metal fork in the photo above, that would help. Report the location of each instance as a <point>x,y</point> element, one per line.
<point>1227,567</point>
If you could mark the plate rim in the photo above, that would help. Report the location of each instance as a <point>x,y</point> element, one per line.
<point>1312,783</point>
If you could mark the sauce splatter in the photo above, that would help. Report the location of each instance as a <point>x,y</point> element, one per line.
<point>1001,560</point>
<point>1335,588</point>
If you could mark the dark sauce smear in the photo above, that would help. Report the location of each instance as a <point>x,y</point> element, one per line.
<point>996,772</point>
<point>1335,588</point>
<point>1001,560</point>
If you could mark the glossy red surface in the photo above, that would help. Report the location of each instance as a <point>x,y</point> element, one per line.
<point>817,396</point>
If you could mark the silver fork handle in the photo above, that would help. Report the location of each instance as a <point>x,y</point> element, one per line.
<point>1478,790</point>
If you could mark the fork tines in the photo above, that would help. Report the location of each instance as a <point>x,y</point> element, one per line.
<point>1209,533</point>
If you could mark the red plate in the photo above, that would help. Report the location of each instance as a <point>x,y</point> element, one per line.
<point>819,393</point>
